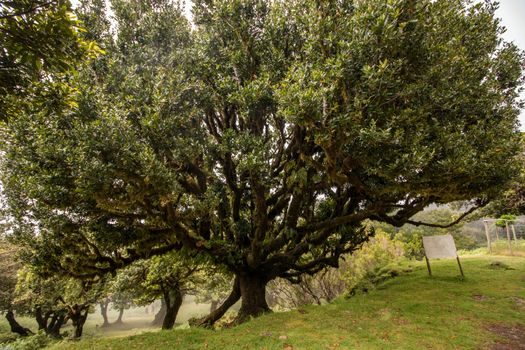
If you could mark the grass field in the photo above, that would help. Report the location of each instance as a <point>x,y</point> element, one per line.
<point>483,311</point>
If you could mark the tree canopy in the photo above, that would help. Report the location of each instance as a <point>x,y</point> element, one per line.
<point>40,43</point>
<point>265,133</point>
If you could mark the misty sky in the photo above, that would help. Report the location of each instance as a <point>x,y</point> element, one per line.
<point>512,13</point>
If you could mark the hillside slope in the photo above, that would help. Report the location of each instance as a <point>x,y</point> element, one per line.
<point>486,310</point>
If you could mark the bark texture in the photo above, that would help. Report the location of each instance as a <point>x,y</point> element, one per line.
<point>173,301</point>
<point>253,297</point>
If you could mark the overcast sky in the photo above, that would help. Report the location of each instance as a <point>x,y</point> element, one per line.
<point>512,13</point>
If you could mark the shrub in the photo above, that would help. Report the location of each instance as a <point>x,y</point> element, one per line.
<point>372,264</point>
<point>34,342</point>
<point>322,287</point>
<point>412,245</point>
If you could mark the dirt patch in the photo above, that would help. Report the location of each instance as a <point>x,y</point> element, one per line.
<point>519,301</point>
<point>511,337</point>
<point>498,265</point>
<point>400,321</point>
<point>479,297</point>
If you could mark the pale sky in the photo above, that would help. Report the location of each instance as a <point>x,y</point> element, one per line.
<point>512,14</point>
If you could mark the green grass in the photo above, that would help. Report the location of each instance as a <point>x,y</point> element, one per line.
<point>410,312</point>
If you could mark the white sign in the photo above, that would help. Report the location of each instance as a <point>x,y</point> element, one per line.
<point>439,247</point>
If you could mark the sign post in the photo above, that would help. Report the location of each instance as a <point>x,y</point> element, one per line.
<point>440,247</point>
<point>508,236</point>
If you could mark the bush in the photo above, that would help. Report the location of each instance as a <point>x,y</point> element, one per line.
<point>7,338</point>
<point>374,263</point>
<point>498,265</point>
<point>412,245</point>
<point>34,342</point>
<point>320,288</point>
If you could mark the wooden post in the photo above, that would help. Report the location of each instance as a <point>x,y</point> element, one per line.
<point>428,266</point>
<point>497,233</point>
<point>514,234</point>
<point>508,236</point>
<point>460,268</point>
<point>489,246</point>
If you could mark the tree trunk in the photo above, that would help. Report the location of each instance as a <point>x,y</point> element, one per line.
<point>50,321</point>
<point>119,318</point>
<point>253,295</point>
<point>57,321</point>
<point>79,324</point>
<point>15,326</point>
<point>173,301</point>
<point>41,319</point>
<point>79,316</point>
<point>209,321</point>
<point>104,312</point>
<point>159,316</point>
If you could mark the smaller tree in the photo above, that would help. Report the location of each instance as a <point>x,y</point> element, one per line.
<point>168,277</point>
<point>505,219</point>
<point>104,304</point>
<point>55,300</point>
<point>215,289</point>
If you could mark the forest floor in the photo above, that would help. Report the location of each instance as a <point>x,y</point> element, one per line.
<point>484,310</point>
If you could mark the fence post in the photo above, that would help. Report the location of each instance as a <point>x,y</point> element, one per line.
<point>514,234</point>
<point>489,246</point>
<point>508,236</point>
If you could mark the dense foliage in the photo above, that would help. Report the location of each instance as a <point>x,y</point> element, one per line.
<point>263,135</point>
<point>40,45</point>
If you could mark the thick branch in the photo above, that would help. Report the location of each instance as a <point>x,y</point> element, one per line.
<point>26,12</point>
<point>461,217</point>
<point>214,316</point>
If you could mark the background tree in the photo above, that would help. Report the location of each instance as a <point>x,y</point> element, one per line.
<point>55,300</point>
<point>266,136</point>
<point>167,277</point>
<point>40,43</point>
<point>104,304</point>
<point>215,287</point>
<point>8,275</point>
<point>505,219</point>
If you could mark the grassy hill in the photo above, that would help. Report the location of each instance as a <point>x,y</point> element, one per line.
<point>486,310</point>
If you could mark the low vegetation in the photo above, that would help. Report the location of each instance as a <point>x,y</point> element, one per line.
<point>412,311</point>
